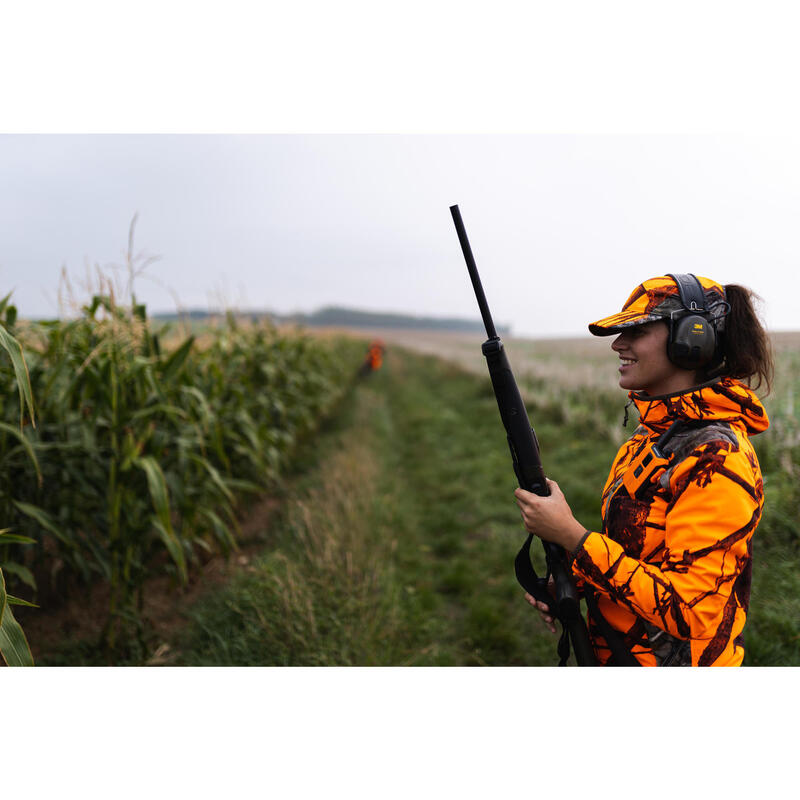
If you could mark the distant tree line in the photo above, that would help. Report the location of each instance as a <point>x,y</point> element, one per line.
<point>336,316</point>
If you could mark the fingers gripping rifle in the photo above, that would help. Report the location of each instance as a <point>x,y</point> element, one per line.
<point>528,468</point>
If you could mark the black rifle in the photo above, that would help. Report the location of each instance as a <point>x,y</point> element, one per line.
<point>528,468</point>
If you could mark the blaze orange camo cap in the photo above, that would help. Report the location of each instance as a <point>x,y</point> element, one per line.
<point>659,298</point>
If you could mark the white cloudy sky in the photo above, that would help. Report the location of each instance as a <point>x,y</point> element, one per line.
<point>562,226</point>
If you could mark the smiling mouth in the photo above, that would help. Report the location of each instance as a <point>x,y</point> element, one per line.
<point>627,362</point>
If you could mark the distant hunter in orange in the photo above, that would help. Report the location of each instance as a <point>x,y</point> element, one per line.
<point>667,579</point>
<point>374,358</point>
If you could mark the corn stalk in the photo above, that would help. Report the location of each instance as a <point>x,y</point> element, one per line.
<point>14,647</point>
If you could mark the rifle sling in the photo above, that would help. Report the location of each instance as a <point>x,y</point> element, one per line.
<point>537,587</point>
<point>526,575</point>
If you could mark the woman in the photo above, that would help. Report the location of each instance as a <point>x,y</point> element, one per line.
<point>667,580</point>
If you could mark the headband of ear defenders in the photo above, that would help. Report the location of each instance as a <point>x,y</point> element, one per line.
<point>691,292</point>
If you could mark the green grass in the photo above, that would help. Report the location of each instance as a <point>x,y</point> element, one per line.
<point>772,633</point>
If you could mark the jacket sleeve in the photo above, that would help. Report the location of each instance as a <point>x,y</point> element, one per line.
<point>703,573</point>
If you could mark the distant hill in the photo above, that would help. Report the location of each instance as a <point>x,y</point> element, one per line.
<point>337,316</point>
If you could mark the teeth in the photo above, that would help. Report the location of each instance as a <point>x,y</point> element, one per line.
<point>626,361</point>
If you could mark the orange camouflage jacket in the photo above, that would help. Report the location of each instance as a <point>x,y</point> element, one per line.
<point>671,569</point>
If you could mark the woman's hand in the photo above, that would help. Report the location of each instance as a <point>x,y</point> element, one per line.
<point>544,611</point>
<point>550,518</point>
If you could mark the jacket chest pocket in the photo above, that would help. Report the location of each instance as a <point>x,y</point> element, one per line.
<point>638,524</point>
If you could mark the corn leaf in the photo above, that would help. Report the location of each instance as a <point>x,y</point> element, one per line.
<point>159,494</point>
<point>4,302</point>
<point>14,350</point>
<point>176,360</point>
<point>243,486</point>
<point>40,516</point>
<point>22,572</point>
<point>221,530</point>
<point>16,538</point>
<point>18,601</point>
<point>13,645</point>
<point>206,413</point>
<point>26,445</point>
<point>173,546</point>
<point>214,475</point>
<point>160,408</point>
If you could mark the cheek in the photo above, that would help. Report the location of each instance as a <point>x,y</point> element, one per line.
<point>656,352</point>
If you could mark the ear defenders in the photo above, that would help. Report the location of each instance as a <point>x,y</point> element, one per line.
<point>692,341</point>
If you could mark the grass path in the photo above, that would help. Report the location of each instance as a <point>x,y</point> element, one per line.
<point>396,547</point>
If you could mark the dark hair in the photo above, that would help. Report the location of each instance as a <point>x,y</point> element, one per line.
<point>746,348</point>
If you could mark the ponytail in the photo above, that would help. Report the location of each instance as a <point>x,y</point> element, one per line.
<point>745,345</point>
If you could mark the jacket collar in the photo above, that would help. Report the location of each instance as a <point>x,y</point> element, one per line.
<point>720,400</point>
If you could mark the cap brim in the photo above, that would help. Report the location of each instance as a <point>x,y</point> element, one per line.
<point>617,322</point>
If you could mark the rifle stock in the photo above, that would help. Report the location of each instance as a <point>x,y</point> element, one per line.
<point>528,468</point>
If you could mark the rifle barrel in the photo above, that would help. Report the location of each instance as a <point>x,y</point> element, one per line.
<point>473,273</point>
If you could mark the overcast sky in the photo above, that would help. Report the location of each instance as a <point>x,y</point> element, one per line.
<point>562,227</point>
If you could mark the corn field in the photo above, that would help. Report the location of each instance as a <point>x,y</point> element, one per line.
<point>122,456</point>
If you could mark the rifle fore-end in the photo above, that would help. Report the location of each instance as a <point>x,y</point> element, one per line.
<point>521,437</point>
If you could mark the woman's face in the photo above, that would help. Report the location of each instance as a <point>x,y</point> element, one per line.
<point>644,365</point>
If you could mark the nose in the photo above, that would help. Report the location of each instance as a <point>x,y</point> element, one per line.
<point>620,343</point>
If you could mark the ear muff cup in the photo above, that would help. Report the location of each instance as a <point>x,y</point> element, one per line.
<point>692,342</point>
